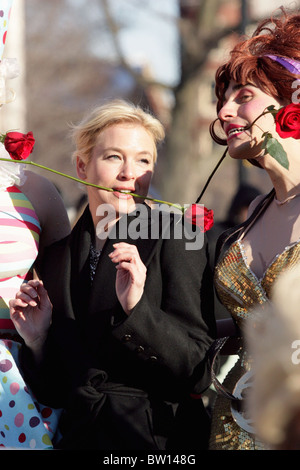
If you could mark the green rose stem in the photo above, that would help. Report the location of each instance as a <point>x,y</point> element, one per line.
<point>91,184</point>
<point>211,176</point>
<point>270,110</point>
<point>272,146</point>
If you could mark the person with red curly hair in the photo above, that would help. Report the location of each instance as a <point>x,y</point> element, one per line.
<point>258,115</point>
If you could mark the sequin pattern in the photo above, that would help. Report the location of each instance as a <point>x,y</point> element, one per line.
<point>240,290</point>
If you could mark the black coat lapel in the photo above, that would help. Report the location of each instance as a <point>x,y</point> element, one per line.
<point>79,247</point>
<point>134,229</point>
<point>65,268</point>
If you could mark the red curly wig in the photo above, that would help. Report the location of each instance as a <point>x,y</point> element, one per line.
<point>248,62</point>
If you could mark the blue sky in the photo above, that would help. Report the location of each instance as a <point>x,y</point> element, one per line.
<point>150,35</point>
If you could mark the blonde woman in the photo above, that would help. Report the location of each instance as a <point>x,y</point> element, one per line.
<point>132,315</point>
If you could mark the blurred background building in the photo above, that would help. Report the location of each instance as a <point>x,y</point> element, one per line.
<point>74,54</point>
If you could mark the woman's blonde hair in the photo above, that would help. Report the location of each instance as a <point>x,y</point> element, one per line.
<point>114,112</point>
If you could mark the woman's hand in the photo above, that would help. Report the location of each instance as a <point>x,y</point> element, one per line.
<point>31,313</point>
<point>131,275</point>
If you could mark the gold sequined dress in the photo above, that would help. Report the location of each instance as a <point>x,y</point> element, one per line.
<point>240,290</point>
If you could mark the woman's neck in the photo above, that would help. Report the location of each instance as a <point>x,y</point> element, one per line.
<point>286,182</point>
<point>103,223</point>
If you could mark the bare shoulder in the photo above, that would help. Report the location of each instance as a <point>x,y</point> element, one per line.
<point>254,204</point>
<point>48,205</point>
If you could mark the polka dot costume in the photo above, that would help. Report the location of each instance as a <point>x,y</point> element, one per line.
<point>24,423</point>
<point>5,10</point>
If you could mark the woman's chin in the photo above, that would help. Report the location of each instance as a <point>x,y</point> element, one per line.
<point>126,207</point>
<point>246,152</point>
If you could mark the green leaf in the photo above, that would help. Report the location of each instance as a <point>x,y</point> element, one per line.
<point>275,149</point>
<point>272,110</point>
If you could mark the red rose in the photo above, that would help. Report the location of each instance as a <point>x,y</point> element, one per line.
<point>199,215</point>
<point>288,121</point>
<point>19,145</point>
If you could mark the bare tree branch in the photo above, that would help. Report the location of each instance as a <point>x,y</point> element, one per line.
<point>113,27</point>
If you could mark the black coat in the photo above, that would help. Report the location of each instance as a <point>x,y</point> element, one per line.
<point>120,378</point>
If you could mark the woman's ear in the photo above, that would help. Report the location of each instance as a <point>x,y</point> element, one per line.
<point>81,168</point>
